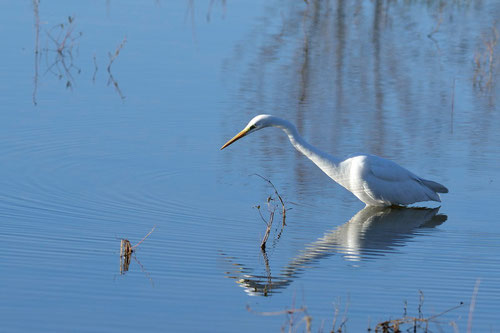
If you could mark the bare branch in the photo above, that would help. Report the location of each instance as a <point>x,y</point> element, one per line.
<point>268,231</point>
<point>283,212</point>
<point>126,250</point>
<point>142,240</point>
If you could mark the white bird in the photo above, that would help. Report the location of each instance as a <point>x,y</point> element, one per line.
<point>374,180</point>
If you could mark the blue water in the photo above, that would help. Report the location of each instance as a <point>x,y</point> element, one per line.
<point>90,157</point>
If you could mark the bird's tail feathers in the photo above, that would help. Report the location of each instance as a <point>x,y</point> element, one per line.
<point>436,187</point>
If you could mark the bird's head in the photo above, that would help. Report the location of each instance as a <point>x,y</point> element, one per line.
<point>257,123</point>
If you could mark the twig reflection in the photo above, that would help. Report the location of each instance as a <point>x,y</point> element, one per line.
<point>60,52</point>
<point>37,48</point>
<point>95,69</point>
<point>112,58</point>
<point>62,65</point>
<point>485,60</point>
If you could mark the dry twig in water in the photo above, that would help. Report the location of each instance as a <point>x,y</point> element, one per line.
<point>335,316</point>
<point>283,209</point>
<point>126,250</point>
<point>144,238</point>
<point>269,224</point>
<point>271,208</point>
<point>417,323</point>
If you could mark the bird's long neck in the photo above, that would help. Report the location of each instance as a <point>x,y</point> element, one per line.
<point>328,163</point>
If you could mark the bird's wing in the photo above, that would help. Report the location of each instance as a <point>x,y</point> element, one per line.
<point>391,183</point>
<point>388,170</point>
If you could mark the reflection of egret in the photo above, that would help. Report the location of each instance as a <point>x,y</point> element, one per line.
<point>374,180</point>
<point>372,233</point>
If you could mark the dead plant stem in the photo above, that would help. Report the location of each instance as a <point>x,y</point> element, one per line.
<point>142,240</point>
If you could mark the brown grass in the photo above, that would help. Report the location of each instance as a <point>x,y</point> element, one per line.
<point>297,318</point>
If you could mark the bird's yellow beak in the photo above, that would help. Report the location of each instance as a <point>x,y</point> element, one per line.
<point>236,137</point>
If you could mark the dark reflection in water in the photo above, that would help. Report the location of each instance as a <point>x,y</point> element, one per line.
<point>372,233</point>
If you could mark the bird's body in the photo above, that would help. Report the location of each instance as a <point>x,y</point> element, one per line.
<point>380,182</point>
<point>374,180</point>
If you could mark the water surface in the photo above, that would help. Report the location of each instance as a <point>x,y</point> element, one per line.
<point>91,155</point>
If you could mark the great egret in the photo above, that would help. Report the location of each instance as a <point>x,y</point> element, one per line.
<point>374,180</point>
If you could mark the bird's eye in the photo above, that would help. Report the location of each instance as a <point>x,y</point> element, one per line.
<point>252,127</point>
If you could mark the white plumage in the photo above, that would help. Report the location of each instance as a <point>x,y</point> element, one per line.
<point>374,180</point>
